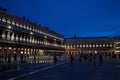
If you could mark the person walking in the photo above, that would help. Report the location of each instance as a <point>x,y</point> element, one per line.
<point>71,59</point>
<point>55,59</point>
<point>100,58</point>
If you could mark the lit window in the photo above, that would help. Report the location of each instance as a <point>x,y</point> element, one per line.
<point>107,45</point>
<point>24,39</point>
<point>10,48</point>
<point>103,45</point>
<point>83,45</point>
<point>24,26</point>
<point>13,23</point>
<point>21,38</point>
<point>30,28</point>
<point>33,29</point>
<point>16,37</point>
<point>27,27</point>
<point>96,45</point>
<point>46,37</point>
<point>33,40</point>
<point>77,46</point>
<point>21,25</point>
<point>3,20</point>
<point>74,46</point>
<point>111,45</point>
<point>17,24</point>
<point>12,36</point>
<point>86,45</point>
<point>80,45</point>
<point>37,42</point>
<point>90,45</point>
<point>27,39</point>
<point>67,46</point>
<point>31,33</point>
<point>8,21</point>
<point>93,45</point>
<point>3,35</point>
<point>96,52</point>
<point>9,27</point>
<point>8,35</point>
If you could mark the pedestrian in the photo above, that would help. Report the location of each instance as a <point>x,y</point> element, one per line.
<point>71,59</point>
<point>15,57</point>
<point>80,57</point>
<point>94,59</point>
<point>100,58</point>
<point>55,59</point>
<point>85,56</point>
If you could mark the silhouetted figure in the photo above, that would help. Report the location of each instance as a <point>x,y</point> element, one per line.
<point>100,58</point>
<point>9,58</point>
<point>55,59</point>
<point>21,57</point>
<point>34,59</point>
<point>71,59</point>
<point>27,56</point>
<point>114,55</point>
<point>105,54</point>
<point>80,57</point>
<point>2,56</point>
<point>85,57</point>
<point>15,57</point>
<point>94,59</point>
<point>90,57</point>
<point>5,56</point>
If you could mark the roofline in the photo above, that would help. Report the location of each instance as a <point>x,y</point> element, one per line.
<point>89,37</point>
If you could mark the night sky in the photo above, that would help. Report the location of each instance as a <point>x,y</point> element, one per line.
<point>85,18</point>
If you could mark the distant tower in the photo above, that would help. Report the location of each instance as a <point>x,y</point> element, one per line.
<point>74,36</point>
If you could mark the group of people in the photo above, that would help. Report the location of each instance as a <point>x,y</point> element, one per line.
<point>94,58</point>
<point>88,57</point>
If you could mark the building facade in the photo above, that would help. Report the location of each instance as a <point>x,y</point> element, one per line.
<point>20,38</point>
<point>104,45</point>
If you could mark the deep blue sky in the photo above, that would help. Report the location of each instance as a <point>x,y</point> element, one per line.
<point>85,18</point>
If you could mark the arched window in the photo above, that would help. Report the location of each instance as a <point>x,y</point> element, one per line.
<point>8,36</point>
<point>8,21</point>
<point>21,38</point>
<point>103,45</point>
<point>24,39</point>
<point>96,45</point>
<point>86,45</point>
<point>12,36</point>
<point>3,35</point>
<point>13,22</point>
<point>93,45</point>
<point>90,45</point>
<point>16,38</point>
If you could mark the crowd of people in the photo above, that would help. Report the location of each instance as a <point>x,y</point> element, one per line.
<point>93,58</point>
